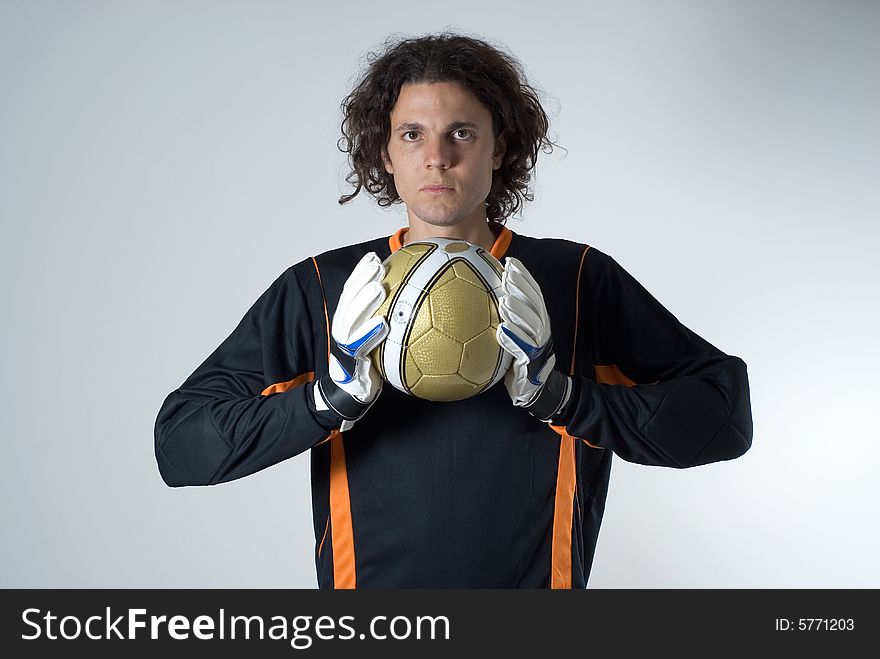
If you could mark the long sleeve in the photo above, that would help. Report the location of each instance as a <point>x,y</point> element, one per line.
<point>227,420</point>
<point>659,394</point>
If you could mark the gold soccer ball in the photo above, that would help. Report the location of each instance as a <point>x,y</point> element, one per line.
<point>442,313</point>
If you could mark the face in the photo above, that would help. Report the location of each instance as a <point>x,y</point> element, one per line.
<point>441,153</point>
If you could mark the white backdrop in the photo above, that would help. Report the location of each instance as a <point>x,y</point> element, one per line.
<point>162,162</point>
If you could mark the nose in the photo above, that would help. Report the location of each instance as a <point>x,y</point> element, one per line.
<point>438,154</point>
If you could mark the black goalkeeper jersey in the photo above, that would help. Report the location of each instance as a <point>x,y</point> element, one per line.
<point>468,494</point>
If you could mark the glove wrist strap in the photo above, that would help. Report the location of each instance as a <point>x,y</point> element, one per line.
<point>343,404</point>
<point>552,397</point>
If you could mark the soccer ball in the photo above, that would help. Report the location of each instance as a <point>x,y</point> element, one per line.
<point>442,313</point>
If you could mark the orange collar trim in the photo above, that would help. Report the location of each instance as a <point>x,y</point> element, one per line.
<point>395,242</point>
<point>499,248</point>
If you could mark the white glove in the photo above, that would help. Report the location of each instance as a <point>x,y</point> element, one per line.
<point>353,384</point>
<point>532,380</point>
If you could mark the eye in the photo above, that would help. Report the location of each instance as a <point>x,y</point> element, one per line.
<point>413,133</point>
<point>463,133</point>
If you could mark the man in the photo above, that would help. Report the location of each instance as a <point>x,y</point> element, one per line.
<point>504,489</point>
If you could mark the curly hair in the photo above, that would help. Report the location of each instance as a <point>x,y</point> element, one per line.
<point>494,77</point>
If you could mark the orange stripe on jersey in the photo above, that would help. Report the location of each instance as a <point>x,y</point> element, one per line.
<point>279,387</point>
<point>344,574</point>
<point>326,315</point>
<point>560,574</point>
<point>566,476</point>
<point>611,374</point>
<point>577,298</point>
<point>324,537</point>
<point>341,531</point>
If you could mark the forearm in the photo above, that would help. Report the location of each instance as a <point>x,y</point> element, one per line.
<point>203,440</point>
<point>687,421</point>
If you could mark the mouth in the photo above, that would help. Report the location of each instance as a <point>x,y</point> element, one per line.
<point>436,189</point>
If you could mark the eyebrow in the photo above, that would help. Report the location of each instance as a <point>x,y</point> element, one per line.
<point>453,126</point>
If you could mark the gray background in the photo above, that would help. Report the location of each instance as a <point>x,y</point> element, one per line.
<point>162,162</point>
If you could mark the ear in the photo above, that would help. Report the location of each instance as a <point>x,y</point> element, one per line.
<point>500,150</point>
<point>387,161</point>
